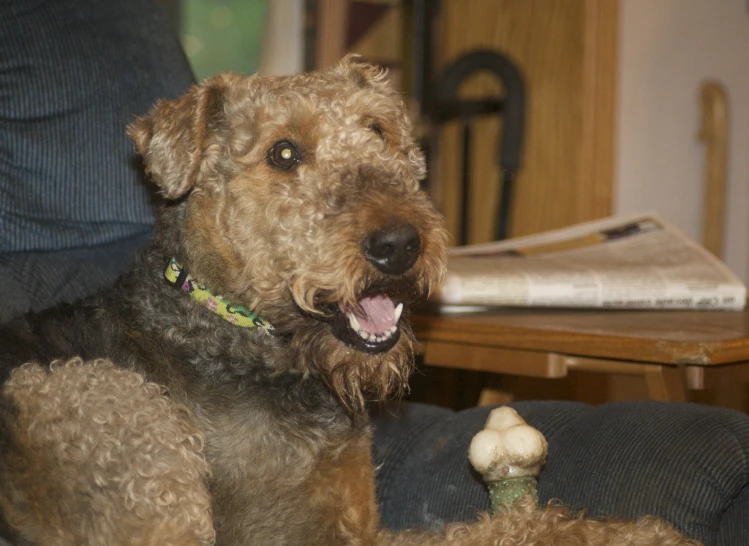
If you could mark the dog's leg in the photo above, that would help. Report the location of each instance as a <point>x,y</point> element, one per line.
<point>342,490</point>
<point>94,455</point>
<point>286,491</point>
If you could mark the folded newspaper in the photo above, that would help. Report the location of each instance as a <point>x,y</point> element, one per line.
<point>634,262</point>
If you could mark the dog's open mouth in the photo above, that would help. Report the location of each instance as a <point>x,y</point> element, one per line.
<point>373,328</point>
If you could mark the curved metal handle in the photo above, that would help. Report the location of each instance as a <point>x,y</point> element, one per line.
<point>513,104</point>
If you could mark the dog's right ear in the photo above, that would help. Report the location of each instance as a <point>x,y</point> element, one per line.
<point>175,135</point>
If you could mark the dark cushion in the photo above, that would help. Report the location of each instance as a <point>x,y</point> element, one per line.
<point>685,463</point>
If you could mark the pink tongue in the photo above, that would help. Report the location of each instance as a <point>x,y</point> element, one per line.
<point>379,314</point>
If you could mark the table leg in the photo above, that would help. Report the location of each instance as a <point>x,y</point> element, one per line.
<point>666,383</point>
<point>494,397</point>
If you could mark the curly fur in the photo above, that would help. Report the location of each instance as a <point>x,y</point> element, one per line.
<point>97,453</point>
<point>117,444</point>
<point>552,526</point>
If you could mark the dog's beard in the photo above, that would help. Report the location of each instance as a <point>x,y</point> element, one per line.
<point>354,376</point>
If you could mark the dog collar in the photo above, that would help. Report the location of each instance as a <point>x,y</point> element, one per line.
<point>236,314</point>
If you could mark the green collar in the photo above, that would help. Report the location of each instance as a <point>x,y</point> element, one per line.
<point>237,315</point>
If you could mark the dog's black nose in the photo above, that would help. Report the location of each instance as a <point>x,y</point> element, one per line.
<point>393,249</point>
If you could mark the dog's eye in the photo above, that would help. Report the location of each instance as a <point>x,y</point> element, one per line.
<point>377,128</point>
<point>284,155</point>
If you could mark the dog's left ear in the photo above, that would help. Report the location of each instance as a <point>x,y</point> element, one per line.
<point>364,75</point>
<point>175,136</point>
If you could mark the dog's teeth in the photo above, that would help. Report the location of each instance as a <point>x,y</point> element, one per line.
<point>373,337</point>
<point>354,323</point>
<point>398,311</point>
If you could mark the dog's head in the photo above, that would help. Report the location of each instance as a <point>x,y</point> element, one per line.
<point>298,197</point>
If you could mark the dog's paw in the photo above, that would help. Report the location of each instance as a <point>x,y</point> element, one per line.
<point>507,447</point>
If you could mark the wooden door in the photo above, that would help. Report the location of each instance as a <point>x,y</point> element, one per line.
<point>567,51</point>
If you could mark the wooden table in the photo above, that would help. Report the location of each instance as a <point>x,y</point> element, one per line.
<point>673,350</point>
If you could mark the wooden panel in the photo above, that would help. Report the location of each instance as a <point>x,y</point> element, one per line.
<point>599,96</point>
<point>662,382</point>
<point>717,377</point>
<point>383,42</point>
<point>602,365</point>
<point>666,383</point>
<point>567,52</point>
<point>332,20</point>
<point>491,359</point>
<point>714,133</point>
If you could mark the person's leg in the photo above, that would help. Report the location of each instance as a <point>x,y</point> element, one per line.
<point>73,74</point>
<point>35,280</point>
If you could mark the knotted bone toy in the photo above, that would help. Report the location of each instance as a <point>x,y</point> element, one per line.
<point>509,454</point>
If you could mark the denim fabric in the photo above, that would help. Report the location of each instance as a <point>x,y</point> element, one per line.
<point>37,280</point>
<point>73,74</point>
<point>686,463</point>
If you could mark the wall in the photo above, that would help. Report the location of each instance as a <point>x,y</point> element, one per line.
<point>667,48</point>
<point>283,40</point>
<point>222,35</point>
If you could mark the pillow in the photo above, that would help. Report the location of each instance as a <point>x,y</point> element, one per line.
<point>686,463</point>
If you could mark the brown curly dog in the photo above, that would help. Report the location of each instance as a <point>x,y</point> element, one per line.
<point>216,394</point>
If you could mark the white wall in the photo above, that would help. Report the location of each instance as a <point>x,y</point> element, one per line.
<point>667,48</point>
<point>283,42</point>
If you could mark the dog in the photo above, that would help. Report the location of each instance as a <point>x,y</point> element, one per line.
<point>217,392</point>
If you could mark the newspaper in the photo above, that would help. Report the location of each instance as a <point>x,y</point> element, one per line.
<point>634,262</point>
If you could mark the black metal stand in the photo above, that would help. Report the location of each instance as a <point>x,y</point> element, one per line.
<point>446,106</point>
